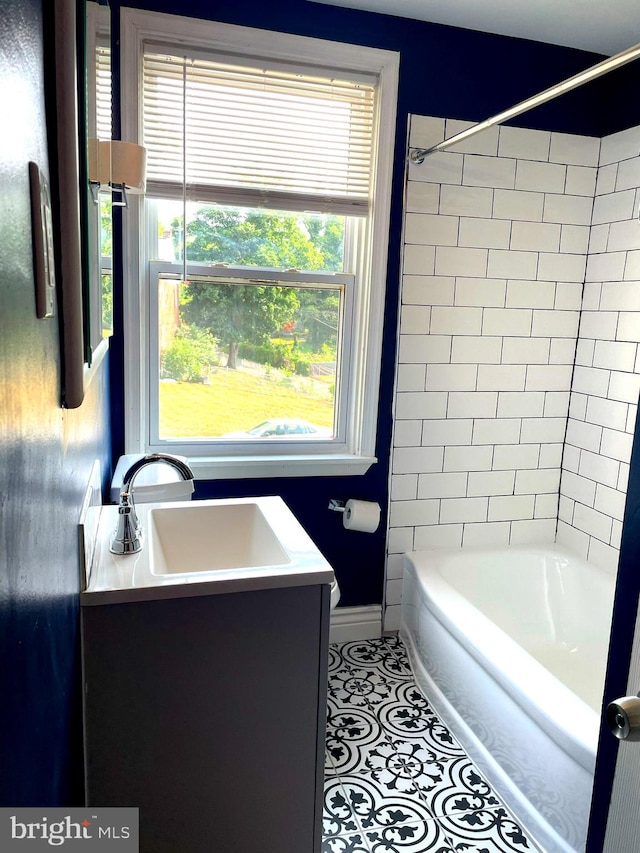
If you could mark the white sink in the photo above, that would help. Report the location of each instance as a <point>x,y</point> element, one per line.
<point>205,548</point>
<point>211,538</point>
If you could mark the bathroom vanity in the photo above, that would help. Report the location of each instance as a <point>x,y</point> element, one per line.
<point>205,702</point>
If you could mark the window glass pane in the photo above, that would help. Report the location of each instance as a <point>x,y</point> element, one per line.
<point>242,361</point>
<point>243,236</point>
<point>106,281</point>
<point>106,225</point>
<point>107,303</point>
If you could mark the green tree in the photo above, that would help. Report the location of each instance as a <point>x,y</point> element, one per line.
<point>250,238</point>
<point>106,225</point>
<point>318,316</point>
<point>106,278</point>
<point>238,312</point>
<point>106,288</point>
<point>252,313</point>
<point>327,234</point>
<point>190,355</point>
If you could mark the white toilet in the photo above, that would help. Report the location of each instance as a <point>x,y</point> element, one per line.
<point>153,483</point>
<point>335,593</point>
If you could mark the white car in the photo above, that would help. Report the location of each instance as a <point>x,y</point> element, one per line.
<point>282,428</point>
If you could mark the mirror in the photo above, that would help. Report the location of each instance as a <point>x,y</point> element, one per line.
<point>98,283</point>
<point>80,58</point>
<point>67,170</point>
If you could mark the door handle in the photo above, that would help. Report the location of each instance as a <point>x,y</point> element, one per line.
<point>623,718</point>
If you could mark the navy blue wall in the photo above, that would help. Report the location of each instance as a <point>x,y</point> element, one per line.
<point>444,71</point>
<point>46,455</point>
<point>621,108</point>
<point>46,452</point>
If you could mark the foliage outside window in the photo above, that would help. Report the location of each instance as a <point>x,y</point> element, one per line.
<point>281,341</point>
<point>106,277</point>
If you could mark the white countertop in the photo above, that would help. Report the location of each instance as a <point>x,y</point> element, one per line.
<point>119,579</point>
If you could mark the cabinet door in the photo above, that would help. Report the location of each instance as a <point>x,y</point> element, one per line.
<point>208,713</point>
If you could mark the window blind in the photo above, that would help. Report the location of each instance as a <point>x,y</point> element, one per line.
<point>258,136</point>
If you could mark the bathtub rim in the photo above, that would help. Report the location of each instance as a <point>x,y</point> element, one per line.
<point>540,698</point>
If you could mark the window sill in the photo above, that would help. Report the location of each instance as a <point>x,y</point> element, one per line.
<point>254,467</point>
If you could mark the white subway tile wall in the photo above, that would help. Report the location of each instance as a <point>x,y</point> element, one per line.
<point>606,380</point>
<point>517,382</point>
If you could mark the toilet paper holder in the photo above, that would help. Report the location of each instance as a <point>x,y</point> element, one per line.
<point>362,516</point>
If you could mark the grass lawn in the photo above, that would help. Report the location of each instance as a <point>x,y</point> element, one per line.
<point>236,400</point>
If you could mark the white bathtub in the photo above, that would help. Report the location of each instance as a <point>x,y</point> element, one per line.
<point>510,646</point>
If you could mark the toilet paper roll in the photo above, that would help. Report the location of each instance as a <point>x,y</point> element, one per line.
<point>361,515</point>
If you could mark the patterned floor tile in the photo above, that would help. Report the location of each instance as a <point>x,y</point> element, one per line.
<point>462,789</point>
<point>399,650</point>
<point>407,714</point>
<point>373,686</point>
<point>405,766</point>
<point>351,736</point>
<point>329,769</point>
<point>396,779</point>
<point>335,658</point>
<point>485,831</point>
<point>338,818</point>
<point>438,737</point>
<point>375,803</point>
<point>425,837</point>
<point>345,688</point>
<point>374,655</point>
<point>339,704</point>
<point>345,844</point>
<point>406,692</point>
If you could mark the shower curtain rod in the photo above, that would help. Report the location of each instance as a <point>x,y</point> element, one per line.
<point>417,155</point>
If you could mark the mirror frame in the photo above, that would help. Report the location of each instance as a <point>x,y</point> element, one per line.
<point>97,25</point>
<point>78,360</point>
<point>69,220</point>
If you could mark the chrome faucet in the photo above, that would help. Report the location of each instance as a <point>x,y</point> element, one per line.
<point>127,538</point>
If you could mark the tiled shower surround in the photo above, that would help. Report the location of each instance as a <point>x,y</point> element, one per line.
<point>519,367</point>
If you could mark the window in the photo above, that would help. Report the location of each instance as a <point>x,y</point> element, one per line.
<point>254,337</point>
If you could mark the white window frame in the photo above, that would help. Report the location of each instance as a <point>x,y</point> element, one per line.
<point>357,453</point>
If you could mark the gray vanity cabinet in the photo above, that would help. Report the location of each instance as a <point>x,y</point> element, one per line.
<point>208,713</point>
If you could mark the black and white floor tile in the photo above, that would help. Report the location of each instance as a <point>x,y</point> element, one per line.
<point>396,781</point>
